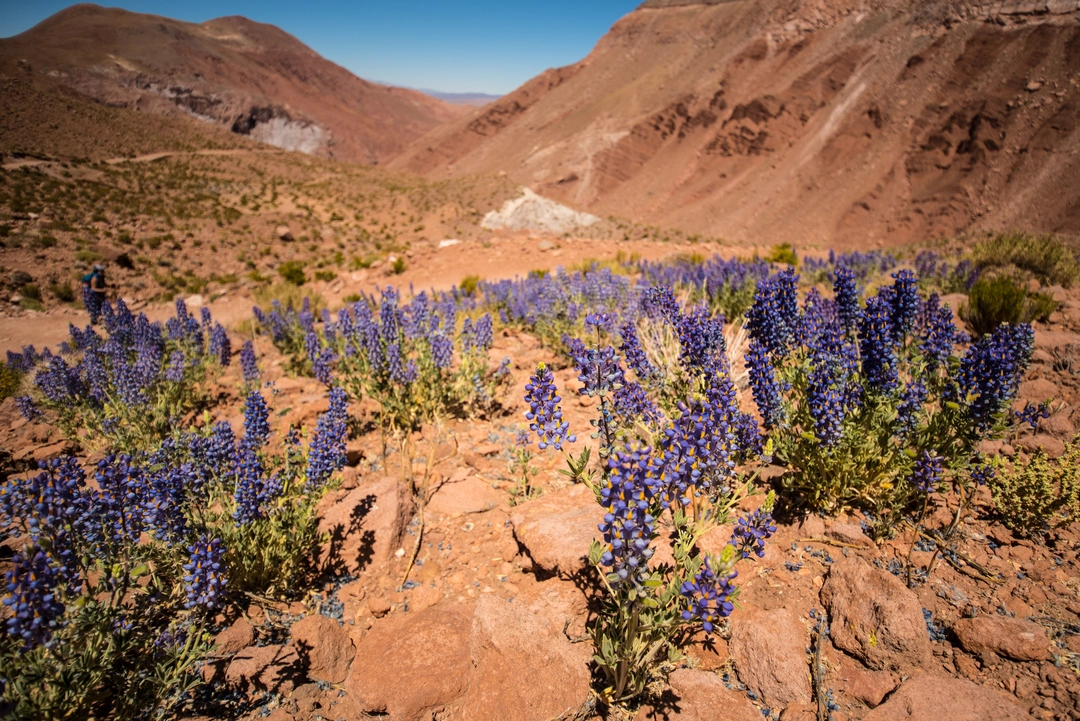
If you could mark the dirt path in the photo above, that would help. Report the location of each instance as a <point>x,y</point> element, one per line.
<point>145,158</point>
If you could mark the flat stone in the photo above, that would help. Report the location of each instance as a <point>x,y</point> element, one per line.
<point>414,665</point>
<point>365,526</point>
<point>1013,638</point>
<point>769,650</point>
<point>472,495</point>
<point>926,697</point>
<point>257,669</point>
<point>510,637</point>
<point>324,646</point>
<point>875,617</point>
<point>235,638</point>
<point>558,528</point>
<point>702,696</point>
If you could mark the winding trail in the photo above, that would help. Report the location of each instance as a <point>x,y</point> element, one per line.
<point>145,158</point>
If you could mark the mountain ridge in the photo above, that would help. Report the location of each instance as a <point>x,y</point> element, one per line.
<point>252,77</point>
<point>829,122</point>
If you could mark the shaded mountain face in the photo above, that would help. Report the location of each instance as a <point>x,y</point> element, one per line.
<point>252,78</point>
<point>834,122</point>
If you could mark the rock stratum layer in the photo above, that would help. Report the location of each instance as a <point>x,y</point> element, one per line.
<point>840,122</point>
<point>252,78</point>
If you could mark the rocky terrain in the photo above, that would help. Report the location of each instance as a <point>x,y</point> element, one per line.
<point>253,79</point>
<point>836,122</point>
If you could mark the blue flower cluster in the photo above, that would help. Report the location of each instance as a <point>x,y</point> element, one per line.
<point>751,532</point>
<point>545,412</point>
<point>33,598</point>
<point>327,454</point>
<point>628,525</point>
<point>204,574</point>
<point>709,596</point>
<point>928,472</point>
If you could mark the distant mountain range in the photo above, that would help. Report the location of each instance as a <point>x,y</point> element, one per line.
<point>473,99</point>
<point>253,78</point>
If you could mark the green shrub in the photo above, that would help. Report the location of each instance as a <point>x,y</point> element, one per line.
<point>992,302</point>
<point>63,292</point>
<point>470,284</point>
<point>398,267</point>
<point>31,304</point>
<point>352,298</point>
<point>10,381</point>
<point>1045,256</point>
<point>32,291</point>
<point>783,253</point>
<point>87,256</point>
<point>1043,495</point>
<point>325,275</point>
<point>293,272</point>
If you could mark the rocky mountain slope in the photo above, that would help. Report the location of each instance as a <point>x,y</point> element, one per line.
<point>832,122</point>
<point>250,77</point>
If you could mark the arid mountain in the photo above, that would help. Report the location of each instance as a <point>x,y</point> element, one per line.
<point>832,122</point>
<point>253,78</point>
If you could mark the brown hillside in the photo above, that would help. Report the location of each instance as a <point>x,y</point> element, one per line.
<point>838,122</point>
<point>250,77</point>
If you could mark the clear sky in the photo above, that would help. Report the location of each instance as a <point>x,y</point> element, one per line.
<point>487,46</point>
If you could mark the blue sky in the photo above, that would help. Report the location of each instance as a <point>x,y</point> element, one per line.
<point>489,46</point>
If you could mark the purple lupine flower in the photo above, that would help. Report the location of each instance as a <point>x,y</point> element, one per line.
<point>926,475</point>
<point>911,403</point>
<point>990,373</point>
<point>175,372</point>
<point>937,333</point>
<point>250,492</point>
<point>248,366</point>
<point>220,345</point>
<point>1032,414</point>
<point>545,411</point>
<point>847,299</point>
<point>28,408</point>
<point>708,595</point>
<point>634,354</point>
<point>121,500</point>
<point>256,420</point>
<point>468,337</point>
<point>33,597</point>
<point>983,472</point>
<point>751,532</point>
<point>219,448</point>
<point>204,577</point>
<point>628,526</point>
<point>879,363</point>
<point>327,453</point>
<point>906,303</point>
<point>771,318</point>
<point>442,351</point>
<point>484,332</point>
<point>824,393</point>
<point>321,358</point>
<point>763,383</point>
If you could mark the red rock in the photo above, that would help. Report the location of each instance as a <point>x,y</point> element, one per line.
<point>471,495</point>
<point>264,668</point>
<point>928,698</point>
<point>366,526</point>
<point>324,646</point>
<point>848,533</point>
<point>1013,638</point>
<point>235,638</point>
<point>710,652</point>
<point>1053,447</point>
<point>702,696</point>
<point>875,617</point>
<point>509,638</point>
<point>557,528</point>
<point>870,687</point>
<point>769,650</point>
<point>413,665</point>
<point>424,596</point>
